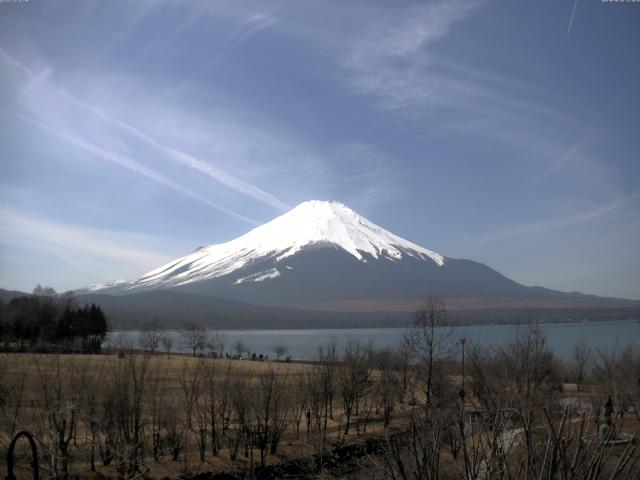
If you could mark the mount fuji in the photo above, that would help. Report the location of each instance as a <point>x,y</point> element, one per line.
<point>323,257</point>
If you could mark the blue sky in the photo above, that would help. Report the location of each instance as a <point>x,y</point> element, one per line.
<point>504,132</point>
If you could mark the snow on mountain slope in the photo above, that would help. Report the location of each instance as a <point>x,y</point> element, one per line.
<point>260,276</point>
<point>94,287</point>
<point>309,224</point>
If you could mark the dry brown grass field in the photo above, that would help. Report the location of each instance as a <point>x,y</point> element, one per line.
<point>42,383</point>
<point>521,414</point>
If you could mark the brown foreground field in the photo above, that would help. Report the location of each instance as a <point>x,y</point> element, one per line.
<point>186,414</point>
<point>409,413</point>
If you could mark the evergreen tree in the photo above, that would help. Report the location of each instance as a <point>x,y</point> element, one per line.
<point>46,319</point>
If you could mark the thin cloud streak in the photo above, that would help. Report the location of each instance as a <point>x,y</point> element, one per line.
<point>186,159</point>
<point>556,224</point>
<point>132,165</point>
<point>255,23</point>
<point>175,155</point>
<point>69,241</point>
<point>573,13</point>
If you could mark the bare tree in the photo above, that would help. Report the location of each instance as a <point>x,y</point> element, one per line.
<point>89,392</point>
<point>190,384</point>
<point>158,404</point>
<point>195,338</point>
<point>522,374</point>
<point>532,367</point>
<point>616,376</point>
<point>122,416</point>
<point>300,400</point>
<point>270,409</point>
<point>581,355</point>
<point>202,410</point>
<point>417,453</point>
<point>217,344</point>
<point>121,341</point>
<point>240,348</point>
<point>405,352</point>
<point>240,396</point>
<point>353,379</point>
<point>150,338</point>
<point>431,341</point>
<point>224,396</point>
<point>58,415</point>
<point>321,385</point>
<point>211,404</point>
<point>389,382</point>
<point>12,389</point>
<point>167,343</point>
<point>280,350</point>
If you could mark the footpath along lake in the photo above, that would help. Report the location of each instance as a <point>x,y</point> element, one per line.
<point>303,344</point>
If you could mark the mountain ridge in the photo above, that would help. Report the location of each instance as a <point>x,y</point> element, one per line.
<point>322,251</point>
<point>322,264</point>
<point>308,225</point>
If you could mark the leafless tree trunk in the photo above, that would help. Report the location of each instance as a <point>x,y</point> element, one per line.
<point>150,338</point>
<point>90,391</point>
<point>270,408</point>
<point>353,378</point>
<point>167,343</point>
<point>12,385</point>
<point>389,384</point>
<point>195,338</point>
<point>122,419</point>
<point>581,354</point>
<point>300,400</point>
<point>191,384</point>
<point>211,405</point>
<point>58,412</point>
<point>158,404</point>
<point>430,339</point>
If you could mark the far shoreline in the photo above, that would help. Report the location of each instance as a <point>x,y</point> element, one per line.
<point>373,325</point>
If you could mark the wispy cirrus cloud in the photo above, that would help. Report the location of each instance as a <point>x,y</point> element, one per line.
<point>254,23</point>
<point>132,165</point>
<point>186,159</point>
<point>390,60</point>
<point>400,65</point>
<point>78,245</point>
<point>174,154</point>
<point>398,62</point>
<point>577,218</point>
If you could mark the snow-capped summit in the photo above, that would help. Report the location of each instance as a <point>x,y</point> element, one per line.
<point>317,221</point>
<point>310,224</point>
<point>318,255</point>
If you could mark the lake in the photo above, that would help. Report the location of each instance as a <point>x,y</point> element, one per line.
<point>303,344</point>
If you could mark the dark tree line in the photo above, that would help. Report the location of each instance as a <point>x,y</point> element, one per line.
<point>48,321</point>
